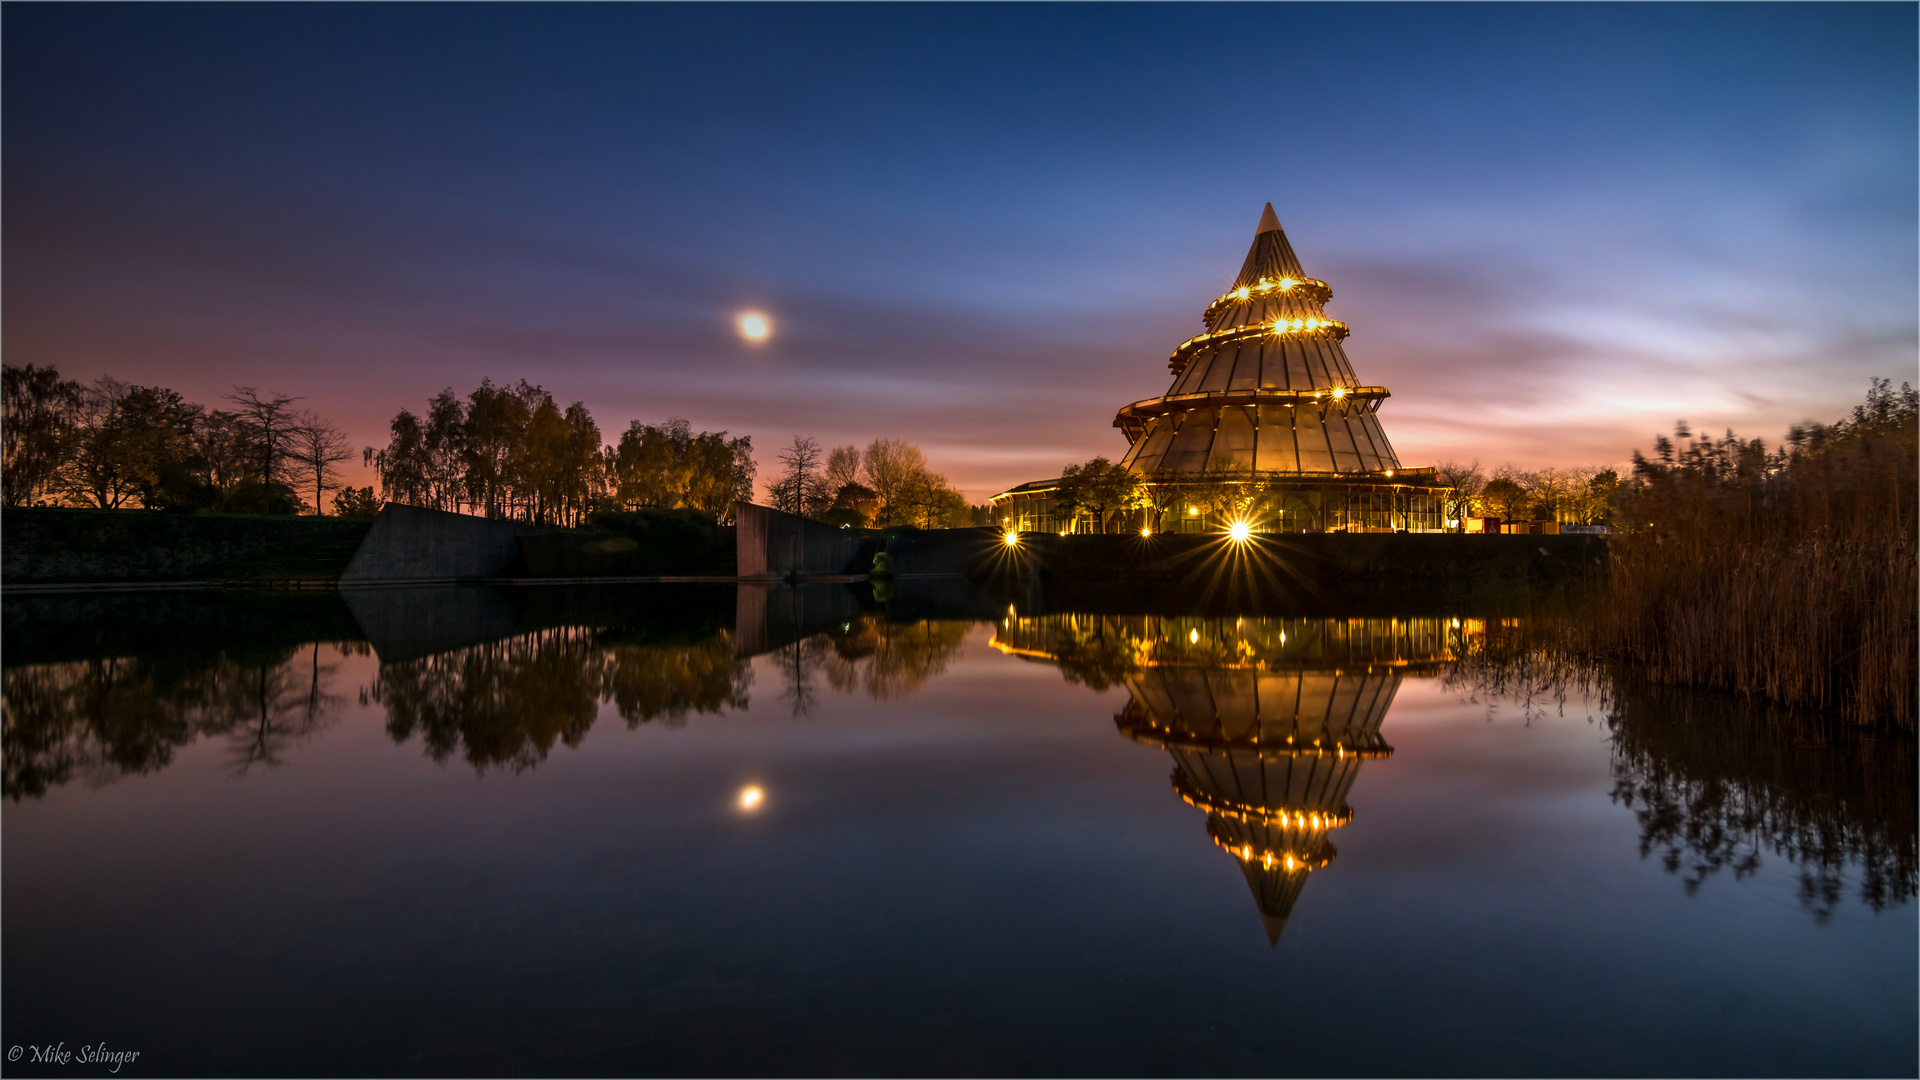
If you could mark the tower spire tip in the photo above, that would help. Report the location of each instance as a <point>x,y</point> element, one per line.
<point>1269,222</point>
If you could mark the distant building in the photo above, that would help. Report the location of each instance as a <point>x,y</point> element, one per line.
<point>1264,422</point>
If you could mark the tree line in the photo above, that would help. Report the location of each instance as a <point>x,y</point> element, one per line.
<point>513,452</point>
<point>501,451</point>
<point>114,444</point>
<point>886,484</point>
<point>1100,492</point>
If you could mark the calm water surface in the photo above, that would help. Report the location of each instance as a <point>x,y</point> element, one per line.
<point>476,832</point>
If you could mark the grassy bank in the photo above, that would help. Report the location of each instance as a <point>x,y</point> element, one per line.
<point>1787,575</point>
<point>43,546</point>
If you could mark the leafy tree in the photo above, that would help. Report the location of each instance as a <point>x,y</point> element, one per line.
<point>668,467</point>
<point>403,466</point>
<point>888,466</point>
<point>355,502</point>
<point>1505,498</point>
<point>496,436</point>
<point>443,438</point>
<point>853,506</point>
<point>220,454</point>
<point>37,428</point>
<point>927,501</point>
<point>156,443</point>
<point>132,444</point>
<point>1098,487</point>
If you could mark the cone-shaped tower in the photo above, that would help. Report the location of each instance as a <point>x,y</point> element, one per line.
<point>1267,388</point>
<point>1266,399</point>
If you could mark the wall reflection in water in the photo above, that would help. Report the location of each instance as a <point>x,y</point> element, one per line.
<point>1267,720</point>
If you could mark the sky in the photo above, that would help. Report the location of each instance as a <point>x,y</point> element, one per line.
<point>1554,230</point>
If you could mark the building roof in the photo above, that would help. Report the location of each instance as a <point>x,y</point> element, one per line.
<point>1267,387</point>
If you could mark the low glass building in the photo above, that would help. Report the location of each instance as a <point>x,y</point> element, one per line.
<point>1264,423</point>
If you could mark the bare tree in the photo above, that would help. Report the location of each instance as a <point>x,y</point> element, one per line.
<point>800,490</point>
<point>269,425</point>
<point>1463,484</point>
<point>843,468</point>
<point>316,447</point>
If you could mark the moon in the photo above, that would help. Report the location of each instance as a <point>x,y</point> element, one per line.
<point>755,327</point>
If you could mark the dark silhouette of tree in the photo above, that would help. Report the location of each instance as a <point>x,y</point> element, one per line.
<point>800,489</point>
<point>37,428</point>
<point>444,440</point>
<point>316,451</point>
<point>269,424</point>
<point>403,465</point>
<point>1463,485</point>
<point>355,502</point>
<point>496,433</point>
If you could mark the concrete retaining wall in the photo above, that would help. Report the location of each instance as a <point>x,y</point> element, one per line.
<point>410,543</point>
<point>772,543</point>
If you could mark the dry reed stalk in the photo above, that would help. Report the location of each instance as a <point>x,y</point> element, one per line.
<point>1786,574</point>
<point>1812,623</point>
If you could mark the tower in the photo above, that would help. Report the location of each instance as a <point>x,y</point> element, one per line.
<point>1267,721</point>
<point>1267,388</point>
<point>1265,401</point>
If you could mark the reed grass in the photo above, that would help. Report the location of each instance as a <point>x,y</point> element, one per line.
<point>1785,574</point>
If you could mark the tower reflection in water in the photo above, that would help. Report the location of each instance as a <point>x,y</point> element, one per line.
<point>1267,720</point>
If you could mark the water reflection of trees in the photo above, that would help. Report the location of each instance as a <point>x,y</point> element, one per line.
<point>884,660</point>
<point>98,719</point>
<point>1716,782</point>
<point>888,660</point>
<point>506,703</point>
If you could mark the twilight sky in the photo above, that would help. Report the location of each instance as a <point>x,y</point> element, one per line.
<point>1554,229</point>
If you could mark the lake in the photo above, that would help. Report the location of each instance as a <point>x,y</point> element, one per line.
<point>922,829</point>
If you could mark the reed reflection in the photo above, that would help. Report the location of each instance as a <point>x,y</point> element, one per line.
<point>1267,720</point>
<point>1717,782</point>
<point>1716,787</point>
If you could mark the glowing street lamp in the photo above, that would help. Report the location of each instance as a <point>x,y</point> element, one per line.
<point>1011,539</point>
<point>755,326</point>
<point>1239,531</point>
<point>751,798</point>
